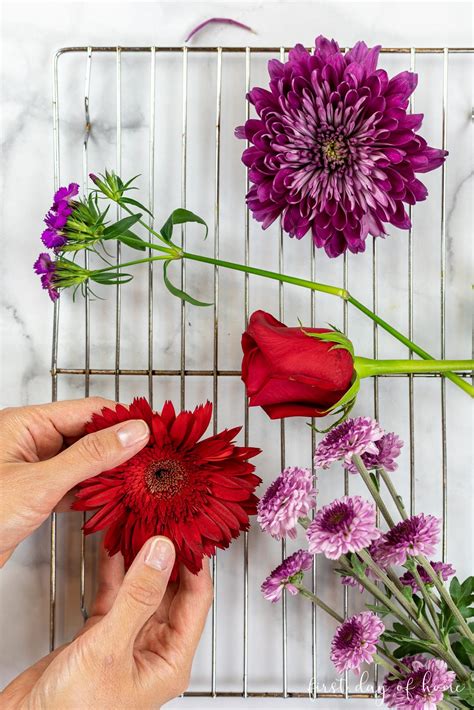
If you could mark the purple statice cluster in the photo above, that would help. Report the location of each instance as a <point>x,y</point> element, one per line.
<point>286,576</point>
<point>421,684</point>
<point>355,641</point>
<point>54,236</point>
<point>345,525</point>
<point>334,149</point>
<point>290,497</point>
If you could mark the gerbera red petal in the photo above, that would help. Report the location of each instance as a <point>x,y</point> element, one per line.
<point>198,493</point>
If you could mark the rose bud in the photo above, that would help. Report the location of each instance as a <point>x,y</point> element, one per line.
<point>289,373</point>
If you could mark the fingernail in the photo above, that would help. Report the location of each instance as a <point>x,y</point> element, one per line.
<point>160,554</point>
<point>132,432</point>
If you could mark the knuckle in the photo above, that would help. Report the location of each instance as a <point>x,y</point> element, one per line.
<point>94,447</point>
<point>142,593</point>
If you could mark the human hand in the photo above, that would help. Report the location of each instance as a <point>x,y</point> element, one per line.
<point>42,457</point>
<point>136,649</point>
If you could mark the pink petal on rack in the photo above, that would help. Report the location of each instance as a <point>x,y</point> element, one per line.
<point>218,21</point>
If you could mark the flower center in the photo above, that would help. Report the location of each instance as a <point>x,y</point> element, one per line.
<point>165,478</point>
<point>338,519</point>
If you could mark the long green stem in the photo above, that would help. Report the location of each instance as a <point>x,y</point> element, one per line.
<point>397,499</point>
<point>464,628</point>
<point>427,597</point>
<point>409,343</point>
<point>359,464</point>
<point>318,602</point>
<point>365,367</point>
<point>411,609</point>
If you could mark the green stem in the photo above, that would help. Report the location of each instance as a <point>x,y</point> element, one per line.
<point>359,464</point>
<point>388,666</point>
<point>411,609</point>
<point>365,367</point>
<point>409,343</point>
<point>312,285</point>
<point>397,499</point>
<point>427,598</point>
<point>318,602</point>
<point>464,628</point>
<point>146,260</point>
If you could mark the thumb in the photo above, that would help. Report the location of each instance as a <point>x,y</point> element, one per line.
<point>142,590</point>
<point>94,453</point>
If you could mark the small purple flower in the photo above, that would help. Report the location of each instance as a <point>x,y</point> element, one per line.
<point>285,575</point>
<point>289,497</point>
<point>345,525</point>
<point>44,264</point>
<point>445,570</point>
<point>353,436</point>
<point>64,196</point>
<point>56,219</point>
<point>388,449</point>
<point>355,641</point>
<point>417,535</point>
<point>333,149</point>
<point>419,688</point>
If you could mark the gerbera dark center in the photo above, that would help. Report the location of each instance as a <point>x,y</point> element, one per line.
<point>165,478</point>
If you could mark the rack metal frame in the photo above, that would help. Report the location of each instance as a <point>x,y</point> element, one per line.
<point>215,373</point>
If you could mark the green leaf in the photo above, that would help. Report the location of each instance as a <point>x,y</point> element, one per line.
<point>408,593</point>
<point>379,609</point>
<point>135,203</point>
<point>455,589</point>
<point>132,240</point>
<point>401,629</point>
<point>178,292</point>
<point>180,216</point>
<point>375,481</point>
<point>109,278</point>
<point>335,336</point>
<point>121,227</point>
<point>357,565</point>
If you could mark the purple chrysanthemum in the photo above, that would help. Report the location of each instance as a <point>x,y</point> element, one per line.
<point>419,688</point>
<point>289,497</point>
<point>355,641</point>
<point>56,219</point>
<point>285,575</point>
<point>388,449</point>
<point>45,267</point>
<point>444,570</point>
<point>334,150</point>
<point>417,535</point>
<point>353,436</point>
<point>345,525</point>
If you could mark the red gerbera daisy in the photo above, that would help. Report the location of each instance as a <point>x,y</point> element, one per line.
<point>198,493</point>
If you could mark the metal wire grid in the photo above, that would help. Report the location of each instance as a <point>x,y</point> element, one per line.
<point>182,373</point>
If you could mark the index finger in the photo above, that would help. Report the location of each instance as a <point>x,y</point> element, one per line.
<point>190,607</point>
<point>70,416</point>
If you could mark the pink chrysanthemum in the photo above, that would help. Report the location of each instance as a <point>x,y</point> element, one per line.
<point>444,570</point>
<point>333,149</point>
<point>420,688</point>
<point>355,641</point>
<point>286,575</point>
<point>388,449</point>
<point>353,436</point>
<point>289,497</point>
<point>345,525</point>
<point>417,535</point>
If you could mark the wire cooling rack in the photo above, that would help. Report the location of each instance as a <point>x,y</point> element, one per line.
<point>70,109</point>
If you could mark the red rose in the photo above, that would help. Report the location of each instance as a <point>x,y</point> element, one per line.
<point>289,373</point>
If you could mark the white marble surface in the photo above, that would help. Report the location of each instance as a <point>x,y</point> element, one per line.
<point>31,33</point>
